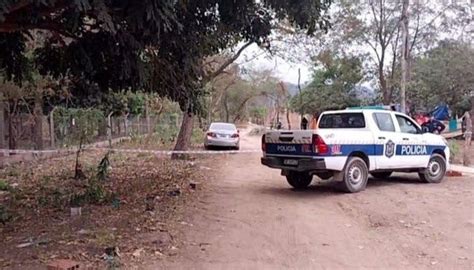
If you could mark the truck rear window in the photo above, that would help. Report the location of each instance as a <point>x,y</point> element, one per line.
<point>342,120</point>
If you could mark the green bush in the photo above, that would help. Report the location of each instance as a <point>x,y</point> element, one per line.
<point>5,215</point>
<point>95,193</point>
<point>166,133</point>
<point>4,186</point>
<point>454,148</point>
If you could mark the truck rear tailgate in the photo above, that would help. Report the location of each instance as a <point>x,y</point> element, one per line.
<point>289,143</point>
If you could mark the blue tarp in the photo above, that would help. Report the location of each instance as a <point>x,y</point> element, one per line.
<point>441,113</point>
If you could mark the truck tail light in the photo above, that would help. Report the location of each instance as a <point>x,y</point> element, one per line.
<point>264,146</point>
<point>319,146</point>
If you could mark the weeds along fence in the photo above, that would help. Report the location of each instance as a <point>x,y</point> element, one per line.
<point>68,127</point>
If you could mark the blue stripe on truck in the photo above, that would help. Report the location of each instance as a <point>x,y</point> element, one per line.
<point>417,150</point>
<point>347,149</point>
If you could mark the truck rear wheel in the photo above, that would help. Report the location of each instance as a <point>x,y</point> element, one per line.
<point>435,171</point>
<point>299,180</point>
<point>356,175</point>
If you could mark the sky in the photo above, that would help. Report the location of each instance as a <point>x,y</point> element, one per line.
<point>257,59</point>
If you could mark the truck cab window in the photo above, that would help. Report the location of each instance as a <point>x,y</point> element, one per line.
<point>406,125</point>
<point>342,120</point>
<point>384,122</point>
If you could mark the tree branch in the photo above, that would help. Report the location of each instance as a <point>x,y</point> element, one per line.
<point>18,6</point>
<point>436,17</point>
<point>415,36</point>
<point>228,62</point>
<point>373,48</point>
<point>15,27</point>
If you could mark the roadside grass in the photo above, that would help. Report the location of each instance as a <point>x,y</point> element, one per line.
<point>141,194</point>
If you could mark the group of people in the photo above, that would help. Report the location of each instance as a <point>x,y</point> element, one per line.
<point>305,124</point>
<point>430,123</point>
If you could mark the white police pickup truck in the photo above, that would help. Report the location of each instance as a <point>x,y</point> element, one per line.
<point>349,144</point>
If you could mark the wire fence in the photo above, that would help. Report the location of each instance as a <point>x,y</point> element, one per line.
<point>56,131</point>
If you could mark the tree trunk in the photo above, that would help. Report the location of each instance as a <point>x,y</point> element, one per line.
<point>226,108</point>
<point>38,116</point>
<point>184,137</point>
<point>404,56</point>
<point>472,110</point>
<point>386,95</point>
<point>288,118</point>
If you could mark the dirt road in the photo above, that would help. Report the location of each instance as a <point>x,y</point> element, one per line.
<point>249,218</point>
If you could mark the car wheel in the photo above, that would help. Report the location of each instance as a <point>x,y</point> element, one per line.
<point>299,180</point>
<point>356,175</point>
<point>381,175</point>
<point>435,171</point>
<point>207,147</point>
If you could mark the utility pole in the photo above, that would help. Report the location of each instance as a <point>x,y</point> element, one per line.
<point>405,54</point>
<point>299,90</point>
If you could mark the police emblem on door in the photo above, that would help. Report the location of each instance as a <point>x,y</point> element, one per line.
<point>389,149</point>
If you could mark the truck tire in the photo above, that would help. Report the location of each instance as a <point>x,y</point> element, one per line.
<point>381,175</point>
<point>435,171</point>
<point>299,180</point>
<point>356,175</point>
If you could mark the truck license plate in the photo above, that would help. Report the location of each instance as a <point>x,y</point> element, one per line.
<point>292,162</point>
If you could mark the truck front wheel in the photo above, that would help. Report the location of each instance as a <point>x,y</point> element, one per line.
<point>299,180</point>
<point>435,171</point>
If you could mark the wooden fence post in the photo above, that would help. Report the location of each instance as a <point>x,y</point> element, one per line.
<point>139,124</point>
<point>126,124</point>
<point>109,127</point>
<point>38,121</point>
<point>3,143</point>
<point>467,138</point>
<point>51,127</point>
<point>147,115</point>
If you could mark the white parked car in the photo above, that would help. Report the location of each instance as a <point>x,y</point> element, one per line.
<point>222,135</point>
<point>350,144</point>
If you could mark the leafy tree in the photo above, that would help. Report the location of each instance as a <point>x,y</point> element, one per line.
<point>372,30</point>
<point>333,85</point>
<point>156,45</point>
<point>443,75</point>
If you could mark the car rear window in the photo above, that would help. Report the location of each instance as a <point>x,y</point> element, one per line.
<point>220,126</point>
<point>342,120</point>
